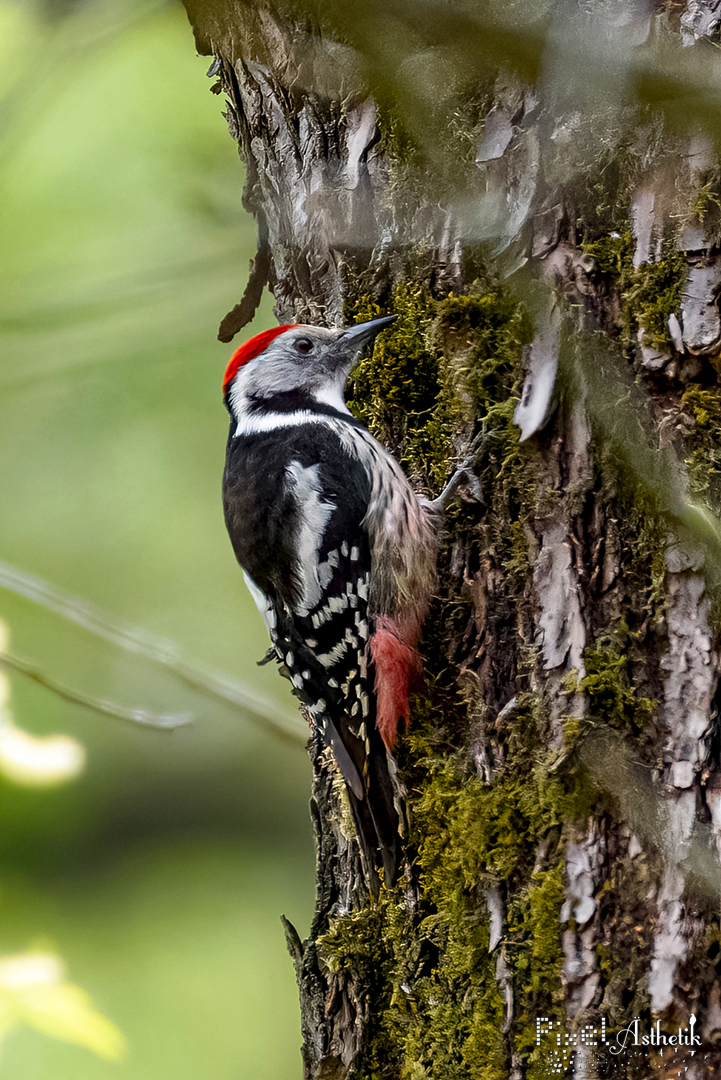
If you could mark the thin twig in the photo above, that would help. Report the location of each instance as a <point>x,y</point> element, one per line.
<point>162,652</point>
<point>168,721</point>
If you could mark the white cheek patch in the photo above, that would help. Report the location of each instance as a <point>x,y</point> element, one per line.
<point>332,395</point>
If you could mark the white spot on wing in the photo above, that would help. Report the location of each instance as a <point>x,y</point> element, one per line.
<point>325,574</point>
<point>332,657</point>
<point>261,602</point>
<point>315,512</point>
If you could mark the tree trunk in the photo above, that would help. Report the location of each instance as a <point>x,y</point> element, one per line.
<point>536,193</point>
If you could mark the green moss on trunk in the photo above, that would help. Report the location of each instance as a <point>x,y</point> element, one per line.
<point>436,1006</point>
<point>421,954</point>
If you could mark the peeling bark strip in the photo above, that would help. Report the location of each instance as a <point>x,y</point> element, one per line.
<point>244,312</point>
<point>535,191</point>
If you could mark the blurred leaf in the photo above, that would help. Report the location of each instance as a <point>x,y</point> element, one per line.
<point>33,992</point>
<point>39,760</point>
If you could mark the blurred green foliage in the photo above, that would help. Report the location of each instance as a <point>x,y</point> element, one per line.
<point>161,873</point>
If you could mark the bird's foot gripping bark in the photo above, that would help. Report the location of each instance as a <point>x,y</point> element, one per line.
<point>464,475</point>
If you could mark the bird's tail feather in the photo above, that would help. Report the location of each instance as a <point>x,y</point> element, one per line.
<point>378,818</point>
<point>374,796</point>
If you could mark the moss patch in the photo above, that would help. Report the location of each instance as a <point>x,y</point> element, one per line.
<point>624,968</point>
<point>438,1009</point>
<point>432,144</point>
<point>395,391</point>
<point>441,365</point>
<point>654,294</point>
<point>613,256</point>
<point>613,698</point>
<point>706,205</point>
<point>703,446</point>
<point>648,294</point>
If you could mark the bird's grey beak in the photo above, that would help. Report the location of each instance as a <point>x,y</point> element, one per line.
<point>364,333</point>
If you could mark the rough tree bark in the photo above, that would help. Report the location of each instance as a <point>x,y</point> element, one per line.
<point>536,192</point>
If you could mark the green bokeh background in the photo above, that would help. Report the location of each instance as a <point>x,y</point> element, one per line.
<point>161,873</point>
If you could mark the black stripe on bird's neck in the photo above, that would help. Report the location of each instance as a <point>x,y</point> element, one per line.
<point>290,401</point>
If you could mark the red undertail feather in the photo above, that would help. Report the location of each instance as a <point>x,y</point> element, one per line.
<point>250,350</point>
<point>395,663</point>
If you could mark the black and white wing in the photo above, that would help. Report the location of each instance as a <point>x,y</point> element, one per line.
<point>310,576</point>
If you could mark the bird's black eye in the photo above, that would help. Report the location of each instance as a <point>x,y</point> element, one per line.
<point>303,345</point>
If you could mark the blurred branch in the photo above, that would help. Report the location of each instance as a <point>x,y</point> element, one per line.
<point>168,721</point>
<point>159,651</point>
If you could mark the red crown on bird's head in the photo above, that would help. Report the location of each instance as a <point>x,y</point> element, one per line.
<point>250,350</point>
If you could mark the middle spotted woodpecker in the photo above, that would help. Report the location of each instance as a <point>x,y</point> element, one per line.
<point>338,552</point>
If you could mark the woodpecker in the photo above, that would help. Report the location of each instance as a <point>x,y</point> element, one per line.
<point>338,553</point>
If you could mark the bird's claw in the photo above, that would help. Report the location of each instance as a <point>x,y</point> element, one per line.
<point>464,475</point>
